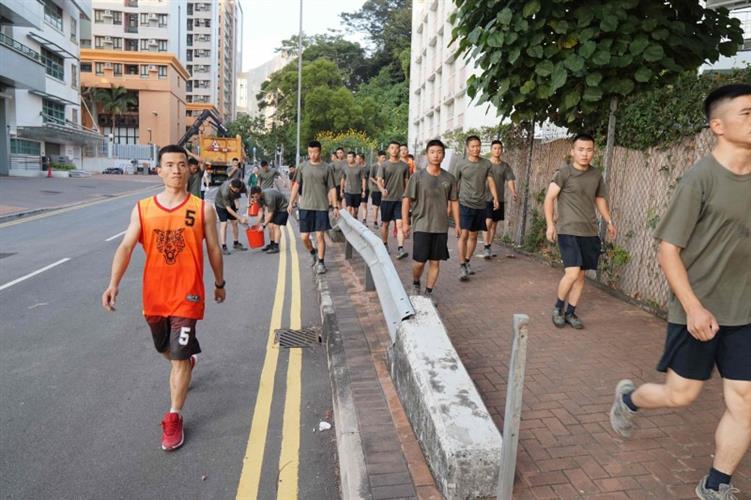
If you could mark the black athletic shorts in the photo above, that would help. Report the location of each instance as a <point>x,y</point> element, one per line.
<point>429,246</point>
<point>353,200</point>
<point>223,215</point>
<point>472,219</point>
<point>174,335</point>
<point>375,197</point>
<point>280,218</point>
<point>690,358</point>
<point>312,221</point>
<point>495,215</point>
<point>579,251</point>
<point>391,210</point>
<point>366,196</point>
<point>338,193</point>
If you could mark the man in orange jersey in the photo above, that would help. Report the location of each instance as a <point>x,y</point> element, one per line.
<point>172,226</point>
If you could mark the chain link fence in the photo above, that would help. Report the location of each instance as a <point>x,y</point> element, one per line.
<point>640,186</point>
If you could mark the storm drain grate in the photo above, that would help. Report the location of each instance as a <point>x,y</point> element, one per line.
<point>4,255</point>
<point>307,337</point>
<point>51,192</point>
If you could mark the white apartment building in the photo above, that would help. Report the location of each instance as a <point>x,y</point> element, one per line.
<point>44,119</point>
<point>742,10</point>
<point>249,85</point>
<point>138,26</point>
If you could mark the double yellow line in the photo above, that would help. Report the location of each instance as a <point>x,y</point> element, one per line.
<point>289,460</point>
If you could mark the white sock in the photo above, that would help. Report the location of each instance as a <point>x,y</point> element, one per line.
<point>174,410</point>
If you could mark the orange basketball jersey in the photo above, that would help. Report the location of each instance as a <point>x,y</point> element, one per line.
<point>173,242</point>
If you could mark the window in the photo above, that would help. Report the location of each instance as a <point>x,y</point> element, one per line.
<point>74,115</point>
<point>98,42</point>
<point>54,64</point>
<point>131,3</point>
<point>53,15</point>
<point>131,69</point>
<point>131,44</point>
<point>53,111</point>
<point>144,44</point>
<point>73,76</point>
<point>162,45</point>
<point>190,40</point>
<point>117,69</point>
<point>190,25</point>
<point>117,17</point>
<point>162,72</point>
<point>98,16</point>
<point>74,30</point>
<point>99,68</point>
<point>162,20</point>
<point>144,18</point>
<point>144,71</point>
<point>117,43</point>
<point>85,67</point>
<point>24,147</point>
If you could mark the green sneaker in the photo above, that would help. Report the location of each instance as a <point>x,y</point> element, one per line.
<point>726,491</point>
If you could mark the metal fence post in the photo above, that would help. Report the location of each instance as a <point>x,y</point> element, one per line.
<point>369,283</point>
<point>347,250</point>
<point>513,412</point>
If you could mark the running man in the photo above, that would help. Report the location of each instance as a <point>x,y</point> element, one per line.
<point>392,179</point>
<point>172,227</point>
<point>704,251</point>
<point>502,176</point>
<point>476,186</point>
<point>375,192</point>
<point>353,184</point>
<point>226,210</point>
<point>578,188</point>
<point>431,193</point>
<point>275,208</point>
<point>366,193</point>
<point>267,176</point>
<point>315,180</point>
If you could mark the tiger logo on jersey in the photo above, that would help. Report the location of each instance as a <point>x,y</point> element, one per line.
<point>170,243</point>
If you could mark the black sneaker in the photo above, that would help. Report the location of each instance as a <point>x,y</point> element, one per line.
<point>225,251</point>
<point>239,246</point>
<point>267,247</point>
<point>273,249</point>
<point>574,321</point>
<point>558,319</point>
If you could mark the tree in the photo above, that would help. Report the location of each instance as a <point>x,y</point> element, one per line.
<point>350,140</point>
<point>92,96</point>
<point>116,101</point>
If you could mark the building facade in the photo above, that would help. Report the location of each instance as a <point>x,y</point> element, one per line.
<point>41,116</point>
<point>742,10</point>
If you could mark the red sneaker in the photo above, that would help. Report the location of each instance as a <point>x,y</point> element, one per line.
<point>172,431</point>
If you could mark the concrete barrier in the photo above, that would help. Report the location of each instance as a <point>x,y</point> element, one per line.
<point>458,437</point>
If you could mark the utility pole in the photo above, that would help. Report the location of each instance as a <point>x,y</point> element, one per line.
<point>299,88</point>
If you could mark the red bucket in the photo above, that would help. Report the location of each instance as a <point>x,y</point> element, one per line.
<point>253,209</point>
<point>255,236</point>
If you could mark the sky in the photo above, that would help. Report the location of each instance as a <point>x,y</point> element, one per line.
<point>268,22</point>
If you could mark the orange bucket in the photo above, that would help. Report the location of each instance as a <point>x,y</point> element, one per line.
<point>255,236</point>
<point>253,209</point>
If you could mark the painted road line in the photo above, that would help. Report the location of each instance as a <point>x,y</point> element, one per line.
<point>250,477</point>
<point>115,236</point>
<point>38,271</point>
<point>289,458</point>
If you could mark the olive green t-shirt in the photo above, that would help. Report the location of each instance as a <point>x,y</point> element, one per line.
<point>339,166</point>
<point>315,180</point>
<point>266,179</point>
<point>431,195</point>
<point>372,175</point>
<point>353,177</point>
<point>709,217</point>
<point>501,173</point>
<point>472,178</point>
<point>274,200</point>
<point>394,176</point>
<point>576,201</point>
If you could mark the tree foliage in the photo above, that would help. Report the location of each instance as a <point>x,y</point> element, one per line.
<point>350,140</point>
<point>562,59</point>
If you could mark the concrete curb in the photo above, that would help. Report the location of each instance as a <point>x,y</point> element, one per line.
<point>352,469</point>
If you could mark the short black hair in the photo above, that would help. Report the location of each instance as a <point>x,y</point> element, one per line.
<point>256,190</point>
<point>314,144</point>
<point>381,153</point>
<point>192,161</point>
<point>497,141</point>
<point>340,149</point>
<point>235,158</point>
<point>583,136</point>
<point>236,183</point>
<point>435,142</point>
<point>411,156</point>
<point>264,163</point>
<point>722,94</point>
<point>404,144</point>
<point>352,153</point>
<point>170,148</point>
<point>361,155</point>
<point>395,142</point>
<point>471,138</point>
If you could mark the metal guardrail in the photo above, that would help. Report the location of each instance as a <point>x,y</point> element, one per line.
<point>380,273</point>
<point>513,413</point>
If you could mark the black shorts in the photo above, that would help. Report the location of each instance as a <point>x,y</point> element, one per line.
<point>175,335</point>
<point>579,251</point>
<point>690,358</point>
<point>472,219</point>
<point>366,196</point>
<point>353,200</point>
<point>495,215</point>
<point>375,197</point>
<point>280,218</point>
<point>223,215</point>
<point>391,210</point>
<point>429,246</point>
<point>338,193</point>
<point>312,221</point>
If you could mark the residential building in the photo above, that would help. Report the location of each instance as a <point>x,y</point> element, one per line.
<point>156,83</point>
<point>742,10</point>
<point>249,85</point>
<point>41,117</point>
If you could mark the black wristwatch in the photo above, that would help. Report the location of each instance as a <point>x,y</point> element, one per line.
<point>224,282</point>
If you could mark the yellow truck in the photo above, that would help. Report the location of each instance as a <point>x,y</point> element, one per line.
<point>219,151</point>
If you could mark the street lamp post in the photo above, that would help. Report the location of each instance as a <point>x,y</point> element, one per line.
<point>299,88</point>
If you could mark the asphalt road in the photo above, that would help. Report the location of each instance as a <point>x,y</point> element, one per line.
<point>83,391</point>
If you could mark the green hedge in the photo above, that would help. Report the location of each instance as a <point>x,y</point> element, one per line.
<point>63,166</point>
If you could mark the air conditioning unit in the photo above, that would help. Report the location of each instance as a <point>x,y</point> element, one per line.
<point>152,41</point>
<point>108,65</point>
<point>107,13</point>
<point>153,17</point>
<point>152,67</point>
<point>107,39</point>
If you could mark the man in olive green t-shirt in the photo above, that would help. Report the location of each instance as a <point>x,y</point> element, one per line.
<point>362,163</point>
<point>392,178</point>
<point>431,193</point>
<point>315,180</point>
<point>267,176</point>
<point>353,184</point>
<point>705,253</point>
<point>275,206</point>
<point>338,164</point>
<point>502,176</point>
<point>375,192</point>
<point>476,184</point>
<point>578,188</point>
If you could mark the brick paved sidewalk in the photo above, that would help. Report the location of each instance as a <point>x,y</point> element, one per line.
<point>567,449</point>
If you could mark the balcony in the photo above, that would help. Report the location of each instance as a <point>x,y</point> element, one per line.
<point>22,66</point>
<point>22,13</point>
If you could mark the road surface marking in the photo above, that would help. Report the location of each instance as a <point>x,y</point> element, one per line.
<point>250,477</point>
<point>289,458</point>
<point>38,271</point>
<point>115,236</point>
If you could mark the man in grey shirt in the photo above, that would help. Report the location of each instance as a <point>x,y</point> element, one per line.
<point>502,176</point>
<point>226,210</point>
<point>267,176</point>
<point>392,179</point>
<point>338,164</point>
<point>275,207</point>
<point>353,184</point>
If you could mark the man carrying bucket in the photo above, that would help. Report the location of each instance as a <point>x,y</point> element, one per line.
<point>275,204</point>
